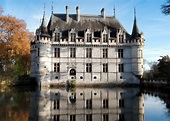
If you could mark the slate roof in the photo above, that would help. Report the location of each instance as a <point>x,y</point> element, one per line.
<point>135,30</point>
<point>94,22</point>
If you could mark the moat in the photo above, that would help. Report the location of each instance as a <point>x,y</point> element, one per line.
<point>84,104</point>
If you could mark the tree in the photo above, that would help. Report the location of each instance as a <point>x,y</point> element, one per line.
<point>164,67</point>
<point>14,46</point>
<point>166,8</point>
<point>153,72</point>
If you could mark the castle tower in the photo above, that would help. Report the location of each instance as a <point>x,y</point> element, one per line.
<point>42,51</point>
<point>137,40</point>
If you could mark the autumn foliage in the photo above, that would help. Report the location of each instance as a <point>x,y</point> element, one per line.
<point>14,46</point>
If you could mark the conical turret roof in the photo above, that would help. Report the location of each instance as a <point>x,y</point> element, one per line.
<point>135,30</point>
<point>43,27</point>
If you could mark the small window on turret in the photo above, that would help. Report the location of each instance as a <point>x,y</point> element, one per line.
<point>38,37</point>
<point>121,68</point>
<point>120,53</point>
<point>38,51</point>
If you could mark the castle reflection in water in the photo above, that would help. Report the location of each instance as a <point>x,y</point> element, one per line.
<point>87,104</point>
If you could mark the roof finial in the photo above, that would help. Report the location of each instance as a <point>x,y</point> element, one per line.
<point>135,30</point>
<point>40,21</point>
<point>52,7</point>
<point>114,10</point>
<point>44,8</point>
<point>134,13</point>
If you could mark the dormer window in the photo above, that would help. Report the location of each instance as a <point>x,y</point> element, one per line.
<point>105,38</point>
<point>73,37</point>
<point>89,38</point>
<point>120,38</point>
<point>57,37</point>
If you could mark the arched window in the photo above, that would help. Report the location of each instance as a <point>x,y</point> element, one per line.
<point>72,72</point>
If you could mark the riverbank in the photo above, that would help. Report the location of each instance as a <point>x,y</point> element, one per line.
<point>155,85</point>
<point>24,81</point>
<point>28,81</point>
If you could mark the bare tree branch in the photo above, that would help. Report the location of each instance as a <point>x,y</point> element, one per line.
<point>166,8</point>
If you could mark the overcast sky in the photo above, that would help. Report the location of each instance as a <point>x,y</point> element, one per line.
<point>150,20</point>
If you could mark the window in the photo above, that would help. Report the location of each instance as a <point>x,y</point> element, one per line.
<point>88,52</point>
<point>89,38</point>
<point>140,54</point>
<point>73,117</point>
<point>81,77</point>
<point>105,67</point>
<point>120,53</point>
<point>88,67</point>
<point>88,117</point>
<point>57,37</point>
<point>89,104</point>
<point>38,51</point>
<point>56,67</point>
<point>105,103</point>
<point>121,68</point>
<point>120,38</point>
<point>121,117</point>
<point>121,103</point>
<point>105,53</point>
<point>56,118</point>
<point>38,37</point>
<point>56,104</point>
<point>72,52</point>
<point>57,52</point>
<point>73,37</point>
<point>105,38</point>
<point>72,72</point>
<point>105,117</point>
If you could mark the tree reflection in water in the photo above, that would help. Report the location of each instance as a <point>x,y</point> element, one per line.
<point>14,105</point>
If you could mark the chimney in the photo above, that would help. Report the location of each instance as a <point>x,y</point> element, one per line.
<point>103,13</point>
<point>78,13</point>
<point>67,14</point>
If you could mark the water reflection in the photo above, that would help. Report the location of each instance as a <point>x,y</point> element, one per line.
<point>87,104</point>
<point>14,105</point>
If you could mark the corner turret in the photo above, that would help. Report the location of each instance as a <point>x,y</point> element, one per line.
<point>137,40</point>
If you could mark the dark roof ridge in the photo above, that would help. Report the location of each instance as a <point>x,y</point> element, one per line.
<point>95,22</point>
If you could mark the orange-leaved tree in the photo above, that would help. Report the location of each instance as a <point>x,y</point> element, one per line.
<point>14,46</point>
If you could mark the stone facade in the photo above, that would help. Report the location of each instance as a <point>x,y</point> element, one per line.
<point>89,49</point>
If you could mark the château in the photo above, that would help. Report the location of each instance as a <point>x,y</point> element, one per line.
<point>86,49</point>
